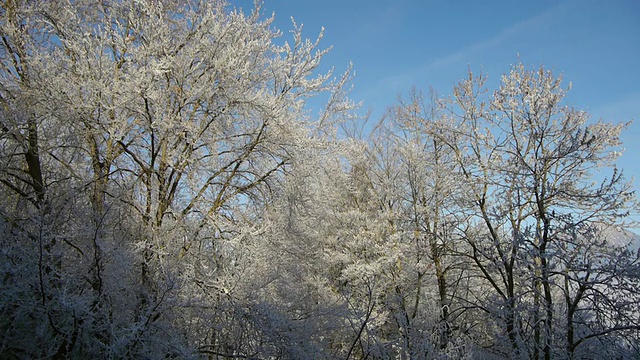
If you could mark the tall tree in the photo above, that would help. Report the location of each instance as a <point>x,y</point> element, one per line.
<point>172,121</point>
<point>529,163</point>
<point>431,204</point>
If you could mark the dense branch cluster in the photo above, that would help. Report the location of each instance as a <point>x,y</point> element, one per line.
<point>165,193</point>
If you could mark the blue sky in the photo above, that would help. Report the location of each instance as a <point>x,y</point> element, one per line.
<point>395,45</point>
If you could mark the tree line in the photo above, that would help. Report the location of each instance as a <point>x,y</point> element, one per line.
<point>167,194</point>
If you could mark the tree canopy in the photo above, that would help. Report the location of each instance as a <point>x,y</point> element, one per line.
<point>166,193</point>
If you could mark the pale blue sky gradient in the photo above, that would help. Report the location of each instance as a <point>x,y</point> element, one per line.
<point>395,45</point>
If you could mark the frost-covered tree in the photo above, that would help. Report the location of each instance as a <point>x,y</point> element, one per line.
<point>529,162</point>
<point>510,227</point>
<point>166,193</point>
<point>431,200</point>
<point>140,140</point>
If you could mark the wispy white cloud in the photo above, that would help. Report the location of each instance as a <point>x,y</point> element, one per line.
<point>624,108</point>
<point>382,19</point>
<point>500,39</point>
